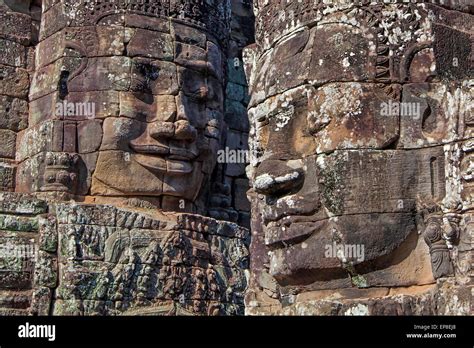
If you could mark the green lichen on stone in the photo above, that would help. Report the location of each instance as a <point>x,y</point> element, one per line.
<point>48,234</point>
<point>13,203</point>
<point>49,244</point>
<point>356,279</point>
<point>359,281</point>
<point>67,307</point>
<point>20,224</point>
<point>332,192</point>
<point>6,178</point>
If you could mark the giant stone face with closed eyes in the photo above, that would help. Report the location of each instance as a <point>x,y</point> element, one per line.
<point>114,179</point>
<point>360,131</point>
<point>157,89</point>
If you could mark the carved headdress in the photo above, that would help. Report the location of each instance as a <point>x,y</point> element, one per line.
<point>212,16</point>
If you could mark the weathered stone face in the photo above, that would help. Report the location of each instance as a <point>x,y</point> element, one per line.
<point>111,117</point>
<point>166,138</point>
<point>138,97</point>
<point>356,115</point>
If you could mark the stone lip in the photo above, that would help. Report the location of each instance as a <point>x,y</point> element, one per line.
<point>162,159</point>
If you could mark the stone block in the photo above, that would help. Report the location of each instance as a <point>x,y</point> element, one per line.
<point>7,143</point>
<point>15,82</point>
<point>13,113</point>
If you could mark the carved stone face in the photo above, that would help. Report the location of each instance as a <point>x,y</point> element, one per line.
<point>330,177</point>
<point>155,89</point>
<point>345,143</point>
<point>166,138</point>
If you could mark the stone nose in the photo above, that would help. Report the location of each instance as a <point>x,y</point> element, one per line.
<point>179,130</point>
<point>185,131</point>
<point>275,178</point>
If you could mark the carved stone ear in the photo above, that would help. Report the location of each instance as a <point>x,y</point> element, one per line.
<point>439,252</point>
<point>60,174</point>
<point>250,55</point>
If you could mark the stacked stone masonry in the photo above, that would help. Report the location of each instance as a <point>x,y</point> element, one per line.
<point>188,157</point>
<point>113,114</point>
<point>360,205</point>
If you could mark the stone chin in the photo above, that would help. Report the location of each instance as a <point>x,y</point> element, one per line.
<point>299,251</point>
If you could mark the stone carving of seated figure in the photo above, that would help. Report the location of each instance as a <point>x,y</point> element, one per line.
<point>360,129</point>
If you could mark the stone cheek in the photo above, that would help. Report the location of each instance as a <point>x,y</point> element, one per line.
<point>358,152</point>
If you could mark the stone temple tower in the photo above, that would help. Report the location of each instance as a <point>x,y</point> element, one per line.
<point>361,135</point>
<point>150,165</point>
<point>113,115</point>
